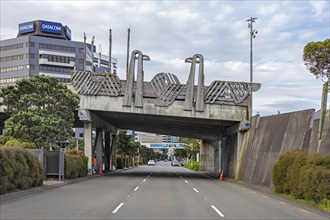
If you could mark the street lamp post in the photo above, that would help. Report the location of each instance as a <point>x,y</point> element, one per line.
<point>253,34</point>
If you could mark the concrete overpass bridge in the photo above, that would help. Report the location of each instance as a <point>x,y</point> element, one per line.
<point>216,113</point>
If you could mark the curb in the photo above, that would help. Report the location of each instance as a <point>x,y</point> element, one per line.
<point>44,188</point>
<point>268,191</point>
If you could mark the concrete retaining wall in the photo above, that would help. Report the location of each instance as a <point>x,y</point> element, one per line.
<point>269,137</point>
<point>321,146</point>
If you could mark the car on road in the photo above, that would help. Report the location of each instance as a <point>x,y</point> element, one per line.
<point>183,163</point>
<point>175,163</point>
<point>151,163</point>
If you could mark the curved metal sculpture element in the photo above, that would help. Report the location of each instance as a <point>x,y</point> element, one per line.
<point>167,87</point>
<point>128,97</point>
<point>197,58</point>
<point>91,83</point>
<point>223,91</point>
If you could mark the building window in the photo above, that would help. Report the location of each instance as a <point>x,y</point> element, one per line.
<point>11,69</point>
<point>29,44</point>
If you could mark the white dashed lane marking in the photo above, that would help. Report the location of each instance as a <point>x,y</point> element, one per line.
<point>136,188</point>
<point>217,211</point>
<point>118,207</point>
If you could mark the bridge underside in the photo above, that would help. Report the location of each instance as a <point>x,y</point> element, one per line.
<point>169,125</point>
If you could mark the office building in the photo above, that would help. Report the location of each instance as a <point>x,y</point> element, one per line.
<point>46,48</point>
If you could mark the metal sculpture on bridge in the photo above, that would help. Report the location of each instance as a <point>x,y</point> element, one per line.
<point>128,96</point>
<point>188,103</point>
<point>166,86</point>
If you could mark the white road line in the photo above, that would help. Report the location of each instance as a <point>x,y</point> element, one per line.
<point>196,190</point>
<point>118,207</point>
<point>136,188</point>
<point>186,181</point>
<point>144,180</point>
<point>217,211</point>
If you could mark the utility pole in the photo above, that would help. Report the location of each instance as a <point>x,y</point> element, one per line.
<point>84,51</point>
<point>92,49</point>
<point>253,34</point>
<point>110,50</point>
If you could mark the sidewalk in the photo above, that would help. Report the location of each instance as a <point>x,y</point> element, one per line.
<point>269,192</point>
<point>47,185</point>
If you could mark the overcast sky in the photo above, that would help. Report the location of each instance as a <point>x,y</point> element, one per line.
<point>171,31</point>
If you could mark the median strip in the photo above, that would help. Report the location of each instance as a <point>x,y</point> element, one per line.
<point>118,207</point>
<point>217,211</point>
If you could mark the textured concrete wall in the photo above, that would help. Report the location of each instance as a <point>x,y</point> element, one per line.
<point>321,146</point>
<point>207,155</point>
<point>269,137</point>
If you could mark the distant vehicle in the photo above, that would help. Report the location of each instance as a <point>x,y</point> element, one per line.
<point>183,163</point>
<point>175,163</point>
<point>151,163</point>
<point>165,160</point>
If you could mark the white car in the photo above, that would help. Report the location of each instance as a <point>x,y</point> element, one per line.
<point>151,163</point>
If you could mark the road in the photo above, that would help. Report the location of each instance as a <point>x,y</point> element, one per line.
<point>154,192</point>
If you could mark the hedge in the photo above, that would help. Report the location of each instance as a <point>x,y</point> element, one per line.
<point>19,169</point>
<point>193,165</point>
<point>75,164</point>
<point>303,175</point>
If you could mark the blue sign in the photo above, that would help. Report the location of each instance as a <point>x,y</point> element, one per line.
<point>51,27</point>
<point>26,27</point>
<point>167,145</point>
<point>68,33</point>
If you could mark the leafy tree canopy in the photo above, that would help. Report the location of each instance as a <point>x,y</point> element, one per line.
<point>317,58</point>
<point>42,110</point>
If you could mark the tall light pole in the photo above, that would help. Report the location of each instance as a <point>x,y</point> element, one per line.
<point>253,34</point>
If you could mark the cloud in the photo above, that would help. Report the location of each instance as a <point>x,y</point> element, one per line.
<point>268,9</point>
<point>319,8</point>
<point>171,31</point>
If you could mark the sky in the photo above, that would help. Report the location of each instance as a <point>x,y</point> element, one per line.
<point>171,31</point>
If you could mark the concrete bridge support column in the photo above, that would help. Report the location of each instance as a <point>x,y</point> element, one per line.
<point>99,149</point>
<point>107,150</point>
<point>88,144</point>
<point>113,160</point>
<point>207,156</point>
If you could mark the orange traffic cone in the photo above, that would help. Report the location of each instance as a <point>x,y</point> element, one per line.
<point>221,176</point>
<point>101,169</point>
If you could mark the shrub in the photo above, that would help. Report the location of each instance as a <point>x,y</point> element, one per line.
<point>193,165</point>
<point>4,139</point>
<point>303,176</point>
<point>19,169</point>
<point>75,164</point>
<point>286,169</point>
<point>120,164</point>
<point>17,143</point>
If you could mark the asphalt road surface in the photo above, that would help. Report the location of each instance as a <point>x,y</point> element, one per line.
<point>154,192</point>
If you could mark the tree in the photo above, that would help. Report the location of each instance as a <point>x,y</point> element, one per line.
<point>317,58</point>
<point>41,108</point>
<point>191,145</point>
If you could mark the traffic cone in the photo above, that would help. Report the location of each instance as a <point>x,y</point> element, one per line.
<point>221,176</point>
<point>101,169</point>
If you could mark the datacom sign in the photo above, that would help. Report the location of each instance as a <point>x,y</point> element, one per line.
<point>26,27</point>
<point>51,27</point>
<point>68,33</point>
